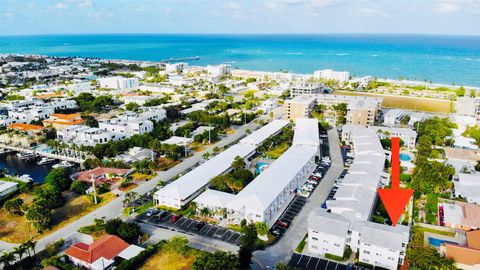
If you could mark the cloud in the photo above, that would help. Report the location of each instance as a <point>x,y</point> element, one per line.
<point>449,6</point>
<point>7,14</point>
<point>235,9</point>
<point>81,3</point>
<point>61,5</point>
<point>372,12</point>
<point>234,5</point>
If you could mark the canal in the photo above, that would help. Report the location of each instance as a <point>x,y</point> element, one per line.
<point>16,166</point>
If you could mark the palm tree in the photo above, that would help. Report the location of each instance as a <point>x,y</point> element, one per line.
<point>30,245</point>
<point>19,250</point>
<point>6,258</point>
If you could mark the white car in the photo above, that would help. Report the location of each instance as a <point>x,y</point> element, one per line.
<point>307,188</point>
<point>318,175</point>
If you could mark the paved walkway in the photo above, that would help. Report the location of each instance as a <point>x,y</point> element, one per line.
<point>283,249</point>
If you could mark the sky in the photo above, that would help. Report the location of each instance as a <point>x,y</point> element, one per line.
<point>37,17</point>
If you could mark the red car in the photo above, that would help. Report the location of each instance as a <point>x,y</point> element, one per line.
<point>281,224</point>
<point>175,218</point>
<point>313,177</point>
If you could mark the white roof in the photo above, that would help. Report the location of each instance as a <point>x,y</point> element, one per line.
<point>385,236</point>
<point>452,213</point>
<point>468,186</point>
<point>178,140</point>
<point>262,191</point>
<point>257,137</point>
<point>355,199</point>
<point>130,252</point>
<point>214,198</point>
<point>306,132</point>
<point>5,185</point>
<point>321,221</point>
<point>188,184</point>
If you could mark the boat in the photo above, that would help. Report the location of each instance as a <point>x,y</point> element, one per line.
<point>63,164</point>
<point>45,160</point>
<point>25,178</point>
<point>26,156</point>
<point>4,151</point>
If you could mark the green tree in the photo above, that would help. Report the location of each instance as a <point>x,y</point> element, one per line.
<point>79,187</point>
<point>247,245</point>
<point>219,260</point>
<point>132,106</point>
<point>49,197</point>
<point>262,228</point>
<point>431,176</point>
<point>14,206</point>
<point>59,179</point>
<point>39,217</point>
<point>128,231</point>
<point>238,163</point>
<point>424,146</point>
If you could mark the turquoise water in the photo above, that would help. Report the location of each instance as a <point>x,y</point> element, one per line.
<point>441,59</point>
<point>437,242</point>
<point>405,157</point>
<point>260,166</point>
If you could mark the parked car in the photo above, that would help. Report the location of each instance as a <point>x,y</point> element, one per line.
<point>161,214</point>
<point>175,218</point>
<point>282,224</point>
<point>313,182</point>
<point>150,212</point>
<point>199,226</point>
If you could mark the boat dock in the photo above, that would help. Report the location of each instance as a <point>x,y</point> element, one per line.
<point>43,154</point>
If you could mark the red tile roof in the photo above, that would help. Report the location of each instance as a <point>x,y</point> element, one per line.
<point>98,173</point>
<point>108,247</point>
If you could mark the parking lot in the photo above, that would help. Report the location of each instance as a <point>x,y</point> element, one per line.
<point>289,214</point>
<point>311,263</point>
<point>188,225</point>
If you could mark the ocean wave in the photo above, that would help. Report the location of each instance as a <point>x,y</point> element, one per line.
<point>472,59</point>
<point>374,55</point>
<point>294,53</point>
<point>342,54</point>
<point>232,51</point>
<point>230,62</point>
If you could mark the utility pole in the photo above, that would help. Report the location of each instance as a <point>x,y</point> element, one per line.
<point>94,192</point>
<point>209,137</point>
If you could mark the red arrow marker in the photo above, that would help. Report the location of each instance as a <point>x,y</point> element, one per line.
<point>395,199</point>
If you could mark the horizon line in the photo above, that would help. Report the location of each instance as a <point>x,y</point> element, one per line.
<point>247,34</point>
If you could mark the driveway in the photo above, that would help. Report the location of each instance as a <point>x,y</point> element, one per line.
<point>282,250</point>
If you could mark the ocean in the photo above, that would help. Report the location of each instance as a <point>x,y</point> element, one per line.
<point>440,59</point>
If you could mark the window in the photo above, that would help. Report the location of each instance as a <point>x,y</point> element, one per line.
<point>366,252</point>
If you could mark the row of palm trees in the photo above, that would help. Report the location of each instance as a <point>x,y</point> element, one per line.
<point>7,258</point>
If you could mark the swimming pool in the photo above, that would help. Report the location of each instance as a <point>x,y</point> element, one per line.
<point>437,242</point>
<point>261,167</point>
<point>405,157</point>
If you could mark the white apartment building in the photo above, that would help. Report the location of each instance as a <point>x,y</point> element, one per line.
<point>83,135</point>
<point>264,199</point>
<point>118,82</point>
<point>128,128</point>
<point>218,70</point>
<point>362,112</point>
<point>393,117</point>
<point>345,221</point>
<point>328,74</point>
<point>175,67</point>
<point>80,87</point>
<point>183,190</point>
<point>28,115</point>
<point>407,135</point>
<point>306,88</point>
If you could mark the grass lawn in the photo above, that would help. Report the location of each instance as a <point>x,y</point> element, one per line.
<point>278,151</point>
<point>141,176</point>
<point>408,103</point>
<point>127,188</point>
<point>138,209</point>
<point>169,260</point>
<point>16,229</point>
<point>165,163</point>
<point>422,230</point>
